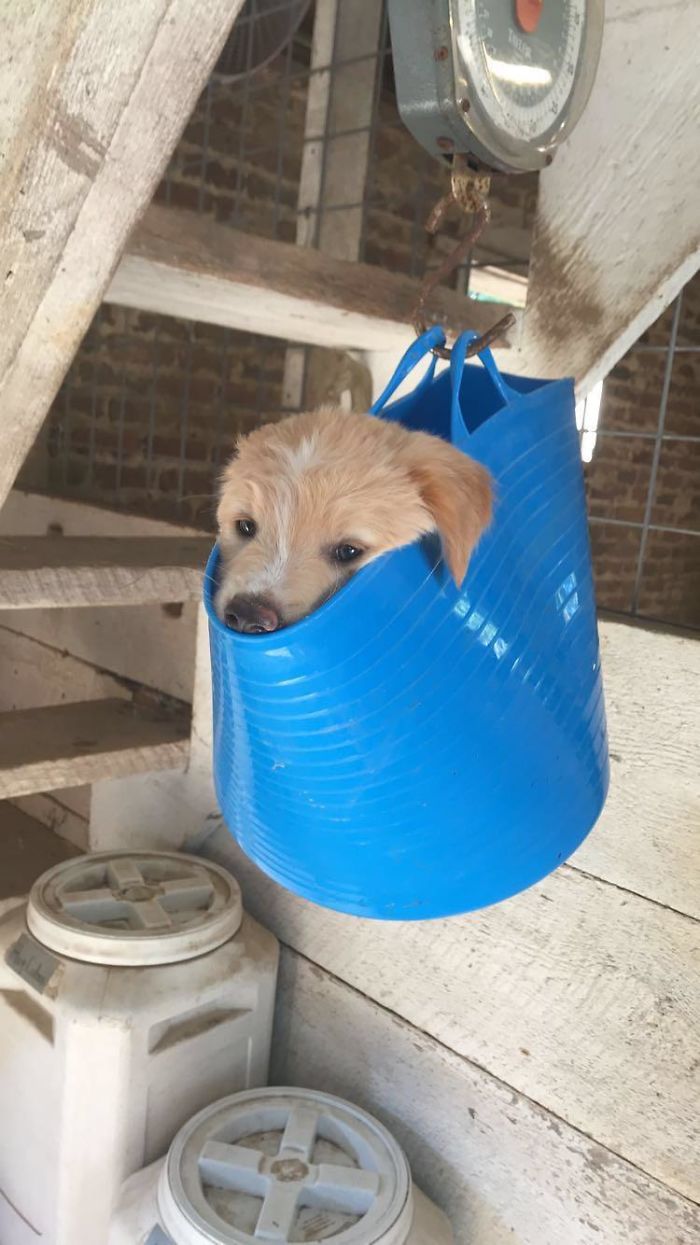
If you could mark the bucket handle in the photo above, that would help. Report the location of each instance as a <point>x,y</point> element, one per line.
<point>459,431</point>
<point>416,351</point>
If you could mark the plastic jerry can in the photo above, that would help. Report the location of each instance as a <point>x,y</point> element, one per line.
<point>133,990</point>
<point>283,1166</point>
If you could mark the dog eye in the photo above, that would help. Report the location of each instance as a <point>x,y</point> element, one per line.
<point>347,553</point>
<point>246,528</point>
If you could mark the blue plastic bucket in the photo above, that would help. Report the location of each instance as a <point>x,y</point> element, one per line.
<point>413,750</point>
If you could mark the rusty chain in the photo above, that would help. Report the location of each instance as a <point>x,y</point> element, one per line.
<point>469,191</point>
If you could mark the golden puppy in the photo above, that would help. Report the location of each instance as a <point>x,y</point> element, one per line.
<point>306,502</point>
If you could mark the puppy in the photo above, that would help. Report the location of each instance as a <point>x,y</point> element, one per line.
<point>308,501</point>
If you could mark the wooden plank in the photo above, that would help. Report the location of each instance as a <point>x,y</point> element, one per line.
<point>604,261</point>
<point>178,263</point>
<point>67,745</point>
<point>95,97</point>
<point>559,992</point>
<point>505,1171</point>
<point>647,838</point>
<point>150,644</point>
<point>337,132</point>
<point>27,849</point>
<point>174,810</point>
<point>46,571</point>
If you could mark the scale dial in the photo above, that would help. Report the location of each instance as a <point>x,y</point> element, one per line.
<point>523,71</point>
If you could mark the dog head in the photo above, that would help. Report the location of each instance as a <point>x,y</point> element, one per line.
<point>309,500</point>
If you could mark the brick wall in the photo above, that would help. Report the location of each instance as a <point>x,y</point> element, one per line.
<point>151,409</point>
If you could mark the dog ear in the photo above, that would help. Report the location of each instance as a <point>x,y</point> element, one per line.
<point>457,492</point>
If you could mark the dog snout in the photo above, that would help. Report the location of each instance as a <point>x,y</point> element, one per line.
<point>251,615</point>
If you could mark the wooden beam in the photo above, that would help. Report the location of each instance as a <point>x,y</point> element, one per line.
<point>617,231</point>
<point>71,744</point>
<point>345,77</point>
<point>147,644</point>
<point>48,571</point>
<point>506,1171</point>
<point>179,263</point>
<point>95,95</point>
<point>66,813</point>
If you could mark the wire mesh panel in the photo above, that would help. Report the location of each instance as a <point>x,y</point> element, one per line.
<point>644,476</point>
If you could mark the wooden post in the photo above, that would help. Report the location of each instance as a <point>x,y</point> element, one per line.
<point>95,95</point>
<point>339,109</point>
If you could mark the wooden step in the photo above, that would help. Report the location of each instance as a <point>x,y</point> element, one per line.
<point>27,849</point>
<point>180,263</point>
<point>50,571</point>
<point>71,744</point>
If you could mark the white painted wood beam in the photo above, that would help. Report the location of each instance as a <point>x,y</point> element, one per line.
<point>506,1171</point>
<point>93,97</point>
<point>68,745</point>
<point>45,572</point>
<point>179,263</point>
<point>617,230</point>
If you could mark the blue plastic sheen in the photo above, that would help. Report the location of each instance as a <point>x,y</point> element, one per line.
<point>413,750</point>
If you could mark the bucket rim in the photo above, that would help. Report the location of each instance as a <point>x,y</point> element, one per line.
<point>303,627</point>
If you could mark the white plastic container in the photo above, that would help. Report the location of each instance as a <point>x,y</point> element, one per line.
<point>279,1165</point>
<point>133,990</point>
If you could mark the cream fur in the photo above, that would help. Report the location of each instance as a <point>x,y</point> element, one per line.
<point>318,480</point>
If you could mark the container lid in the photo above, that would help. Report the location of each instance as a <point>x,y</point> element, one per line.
<point>134,908</point>
<point>285,1165</point>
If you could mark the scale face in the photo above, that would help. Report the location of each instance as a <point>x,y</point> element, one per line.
<point>502,81</point>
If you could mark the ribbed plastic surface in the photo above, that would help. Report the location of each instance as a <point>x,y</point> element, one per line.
<point>411,750</point>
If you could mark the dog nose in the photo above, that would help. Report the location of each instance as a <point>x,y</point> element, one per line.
<point>252,615</point>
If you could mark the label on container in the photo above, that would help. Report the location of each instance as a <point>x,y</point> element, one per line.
<point>32,962</point>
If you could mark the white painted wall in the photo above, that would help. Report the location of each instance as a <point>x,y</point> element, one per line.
<point>147,643</point>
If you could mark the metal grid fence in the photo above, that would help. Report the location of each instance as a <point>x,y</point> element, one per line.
<point>646,471</point>
<point>659,436</point>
